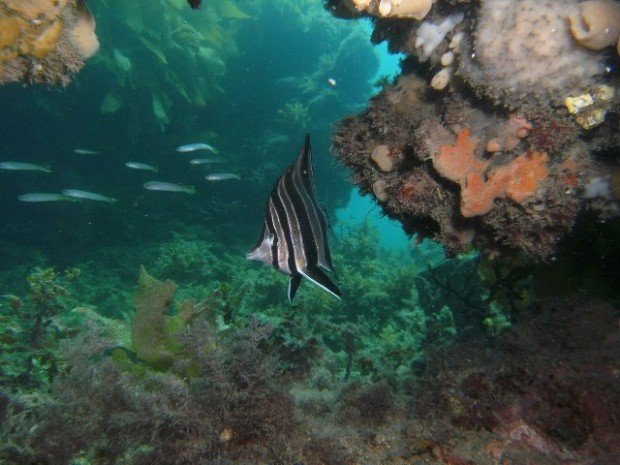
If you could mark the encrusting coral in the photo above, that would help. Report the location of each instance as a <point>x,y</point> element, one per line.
<point>513,131</point>
<point>44,41</point>
<point>83,32</point>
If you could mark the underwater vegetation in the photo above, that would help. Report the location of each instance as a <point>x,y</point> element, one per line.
<point>502,126</point>
<point>209,344</point>
<point>166,51</point>
<point>31,328</point>
<point>219,370</point>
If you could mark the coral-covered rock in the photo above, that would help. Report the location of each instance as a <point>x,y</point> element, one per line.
<point>482,149</point>
<point>525,47</point>
<point>444,187</point>
<point>43,41</point>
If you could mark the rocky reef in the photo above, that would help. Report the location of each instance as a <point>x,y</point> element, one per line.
<point>502,127</point>
<point>45,41</point>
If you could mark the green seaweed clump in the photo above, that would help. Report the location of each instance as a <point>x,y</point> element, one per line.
<point>153,329</point>
<point>31,328</point>
<point>148,329</point>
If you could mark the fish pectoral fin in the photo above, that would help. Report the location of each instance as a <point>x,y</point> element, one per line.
<point>293,285</point>
<point>321,279</point>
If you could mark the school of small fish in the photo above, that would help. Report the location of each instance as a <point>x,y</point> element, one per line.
<point>75,195</point>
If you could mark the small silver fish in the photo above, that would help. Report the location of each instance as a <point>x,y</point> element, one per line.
<point>203,161</point>
<point>86,152</point>
<point>21,166</point>
<point>222,176</point>
<point>85,195</point>
<point>42,197</point>
<point>168,187</point>
<point>196,146</point>
<point>136,165</point>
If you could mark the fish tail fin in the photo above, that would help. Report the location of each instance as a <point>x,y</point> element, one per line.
<point>191,190</point>
<point>238,177</point>
<point>155,169</point>
<point>47,168</point>
<point>321,279</point>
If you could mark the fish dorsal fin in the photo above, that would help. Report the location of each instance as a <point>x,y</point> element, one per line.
<point>293,285</point>
<point>321,279</point>
<point>305,153</point>
<point>304,159</point>
<point>303,169</point>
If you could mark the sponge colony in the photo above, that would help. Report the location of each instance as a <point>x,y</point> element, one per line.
<point>83,33</point>
<point>523,49</point>
<point>596,23</point>
<point>44,41</point>
<point>416,9</point>
<point>382,157</point>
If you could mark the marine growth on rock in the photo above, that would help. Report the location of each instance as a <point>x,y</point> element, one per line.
<point>504,113</point>
<point>44,41</point>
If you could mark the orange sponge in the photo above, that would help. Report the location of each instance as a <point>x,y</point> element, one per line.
<point>517,180</point>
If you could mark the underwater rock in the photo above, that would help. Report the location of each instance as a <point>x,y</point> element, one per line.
<point>505,97</point>
<point>546,395</point>
<point>512,199</point>
<point>44,42</point>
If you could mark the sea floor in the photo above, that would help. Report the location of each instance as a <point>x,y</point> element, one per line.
<point>545,393</point>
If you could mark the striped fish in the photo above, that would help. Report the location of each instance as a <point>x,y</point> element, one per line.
<point>294,237</point>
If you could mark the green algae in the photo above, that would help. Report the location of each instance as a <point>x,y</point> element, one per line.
<point>149,332</point>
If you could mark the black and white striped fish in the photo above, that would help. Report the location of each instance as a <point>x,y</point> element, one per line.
<point>294,239</point>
